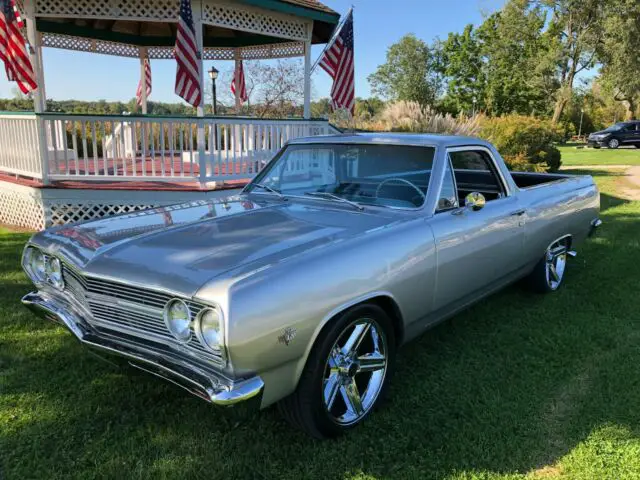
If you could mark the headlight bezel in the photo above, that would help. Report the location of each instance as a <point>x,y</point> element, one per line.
<point>167,322</point>
<point>37,276</point>
<point>58,280</point>
<point>220,349</point>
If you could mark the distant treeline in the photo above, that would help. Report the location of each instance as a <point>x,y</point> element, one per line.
<point>100,107</point>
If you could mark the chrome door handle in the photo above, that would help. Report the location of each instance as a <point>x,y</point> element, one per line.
<point>518,213</point>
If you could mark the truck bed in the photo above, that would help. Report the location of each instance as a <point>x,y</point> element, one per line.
<point>528,179</point>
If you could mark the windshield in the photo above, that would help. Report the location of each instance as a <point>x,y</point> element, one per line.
<point>614,128</point>
<point>368,174</point>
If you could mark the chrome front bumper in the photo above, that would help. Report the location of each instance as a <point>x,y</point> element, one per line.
<point>204,383</point>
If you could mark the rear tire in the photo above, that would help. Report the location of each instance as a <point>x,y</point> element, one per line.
<point>549,272</point>
<point>637,145</point>
<point>346,375</point>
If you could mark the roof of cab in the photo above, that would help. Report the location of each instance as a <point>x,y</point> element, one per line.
<point>426,139</point>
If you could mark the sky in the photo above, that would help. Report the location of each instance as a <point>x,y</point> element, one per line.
<point>377,24</point>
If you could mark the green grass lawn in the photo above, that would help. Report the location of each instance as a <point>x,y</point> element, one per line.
<point>519,386</point>
<point>572,156</point>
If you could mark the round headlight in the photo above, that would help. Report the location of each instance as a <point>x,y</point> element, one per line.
<point>53,270</point>
<point>177,317</point>
<point>36,264</point>
<point>209,328</point>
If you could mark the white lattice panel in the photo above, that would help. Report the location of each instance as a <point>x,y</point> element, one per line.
<point>21,208</point>
<point>277,50</point>
<point>130,9</point>
<point>63,213</point>
<point>161,53</point>
<point>240,17</point>
<point>221,53</point>
<point>230,15</point>
<point>87,45</point>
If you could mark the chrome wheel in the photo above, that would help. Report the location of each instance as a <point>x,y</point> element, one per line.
<point>556,262</point>
<point>613,143</point>
<point>355,371</point>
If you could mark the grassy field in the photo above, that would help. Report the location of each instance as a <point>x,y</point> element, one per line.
<point>519,386</point>
<point>572,156</point>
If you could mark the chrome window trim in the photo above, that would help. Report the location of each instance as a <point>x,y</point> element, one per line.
<point>262,173</point>
<point>505,185</point>
<point>455,185</point>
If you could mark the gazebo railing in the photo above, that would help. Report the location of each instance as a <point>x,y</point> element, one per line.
<point>140,148</point>
<point>19,145</point>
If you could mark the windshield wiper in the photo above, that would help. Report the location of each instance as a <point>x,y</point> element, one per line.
<point>270,190</point>
<point>333,196</point>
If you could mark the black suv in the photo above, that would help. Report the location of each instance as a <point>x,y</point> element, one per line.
<point>623,133</point>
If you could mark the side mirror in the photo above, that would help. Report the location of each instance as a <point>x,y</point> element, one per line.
<point>474,201</point>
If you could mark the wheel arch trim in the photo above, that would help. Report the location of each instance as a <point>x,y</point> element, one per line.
<point>562,237</point>
<point>398,321</point>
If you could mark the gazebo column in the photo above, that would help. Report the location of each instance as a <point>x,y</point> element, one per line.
<point>198,26</point>
<point>143,56</point>
<point>307,74</point>
<point>35,54</point>
<point>39,95</point>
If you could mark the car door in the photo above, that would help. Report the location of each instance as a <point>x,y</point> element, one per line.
<point>635,134</point>
<point>628,133</point>
<point>475,250</point>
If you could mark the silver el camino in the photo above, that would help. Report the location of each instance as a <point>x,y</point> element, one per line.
<point>300,289</point>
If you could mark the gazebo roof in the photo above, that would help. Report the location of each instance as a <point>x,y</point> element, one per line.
<point>144,23</point>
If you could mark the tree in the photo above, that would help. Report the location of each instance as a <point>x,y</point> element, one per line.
<point>460,61</point>
<point>321,108</point>
<point>409,73</point>
<point>513,44</point>
<point>620,73</point>
<point>577,27</point>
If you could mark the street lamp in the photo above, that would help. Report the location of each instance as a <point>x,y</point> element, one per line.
<point>580,127</point>
<point>213,74</point>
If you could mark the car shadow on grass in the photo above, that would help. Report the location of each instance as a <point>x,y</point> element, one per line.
<point>509,386</point>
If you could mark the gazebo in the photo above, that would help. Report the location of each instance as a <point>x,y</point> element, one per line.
<point>83,154</point>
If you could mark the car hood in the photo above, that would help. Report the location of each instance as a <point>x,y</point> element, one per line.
<point>600,132</point>
<point>181,247</point>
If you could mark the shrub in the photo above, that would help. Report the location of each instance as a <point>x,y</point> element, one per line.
<point>525,143</point>
<point>412,117</point>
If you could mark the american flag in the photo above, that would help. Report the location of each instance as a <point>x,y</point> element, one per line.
<point>188,72</point>
<point>337,61</point>
<point>243,86</point>
<point>147,81</point>
<point>13,51</point>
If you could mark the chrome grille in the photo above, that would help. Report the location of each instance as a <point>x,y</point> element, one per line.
<point>130,310</point>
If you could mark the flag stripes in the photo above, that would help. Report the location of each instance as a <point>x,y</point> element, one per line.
<point>147,82</point>
<point>188,71</point>
<point>13,50</point>
<point>243,86</point>
<point>338,62</point>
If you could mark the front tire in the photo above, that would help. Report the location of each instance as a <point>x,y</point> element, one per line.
<point>549,272</point>
<point>346,375</point>
<point>613,143</point>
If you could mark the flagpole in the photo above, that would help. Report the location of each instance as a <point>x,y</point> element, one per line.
<point>336,32</point>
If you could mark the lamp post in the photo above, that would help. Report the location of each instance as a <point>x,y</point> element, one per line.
<point>213,74</point>
<point>580,127</point>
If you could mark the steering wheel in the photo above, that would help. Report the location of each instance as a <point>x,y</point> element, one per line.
<point>401,180</point>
